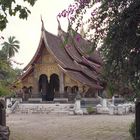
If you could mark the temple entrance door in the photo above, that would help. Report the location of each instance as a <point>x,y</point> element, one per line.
<point>43,86</point>
<point>53,86</point>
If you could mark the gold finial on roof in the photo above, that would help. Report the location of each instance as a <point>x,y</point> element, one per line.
<point>42,28</point>
<point>59,26</point>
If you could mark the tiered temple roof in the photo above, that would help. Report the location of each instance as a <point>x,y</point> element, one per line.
<point>68,49</point>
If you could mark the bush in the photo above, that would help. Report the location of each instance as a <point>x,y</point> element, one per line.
<point>90,110</point>
<point>3,91</point>
<point>132,129</point>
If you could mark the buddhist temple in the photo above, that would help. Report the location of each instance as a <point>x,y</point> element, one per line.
<point>60,67</point>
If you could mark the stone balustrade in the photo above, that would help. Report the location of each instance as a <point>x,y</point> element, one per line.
<point>30,108</point>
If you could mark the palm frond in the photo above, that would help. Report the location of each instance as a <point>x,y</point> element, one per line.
<point>11,46</point>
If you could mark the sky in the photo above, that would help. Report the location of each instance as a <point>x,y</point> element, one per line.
<point>28,31</point>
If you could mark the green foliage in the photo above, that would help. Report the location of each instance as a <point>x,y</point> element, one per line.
<point>7,73</point>
<point>12,8</point>
<point>132,129</point>
<point>90,110</point>
<point>115,27</point>
<point>4,91</point>
<point>110,89</point>
<point>10,47</point>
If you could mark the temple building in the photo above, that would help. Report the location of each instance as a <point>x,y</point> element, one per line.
<point>60,67</point>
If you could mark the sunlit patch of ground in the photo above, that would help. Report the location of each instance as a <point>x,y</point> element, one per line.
<point>61,127</point>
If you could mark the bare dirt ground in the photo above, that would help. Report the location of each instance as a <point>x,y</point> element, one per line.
<point>62,127</point>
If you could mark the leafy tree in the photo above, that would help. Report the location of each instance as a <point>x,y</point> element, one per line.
<point>7,73</point>
<point>121,46</point>
<point>12,8</point>
<point>113,27</point>
<point>4,68</point>
<point>10,47</point>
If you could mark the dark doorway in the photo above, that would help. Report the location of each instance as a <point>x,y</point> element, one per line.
<point>43,86</point>
<point>53,86</point>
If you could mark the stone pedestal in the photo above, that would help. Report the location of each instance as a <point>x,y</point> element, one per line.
<point>4,132</point>
<point>8,103</point>
<point>78,110</point>
<point>113,98</point>
<point>78,105</point>
<point>111,109</point>
<point>2,113</point>
<point>103,109</point>
<point>99,108</point>
<point>137,118</point>
<point>121,110</point>
<point>127,108</point>
<point>104,103</point>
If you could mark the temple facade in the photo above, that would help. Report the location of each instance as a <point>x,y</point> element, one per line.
<point>60,68</point>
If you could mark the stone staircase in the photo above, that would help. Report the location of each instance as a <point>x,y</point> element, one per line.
<point>44,108</point>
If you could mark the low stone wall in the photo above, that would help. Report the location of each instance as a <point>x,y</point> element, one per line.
<point>45,108</point>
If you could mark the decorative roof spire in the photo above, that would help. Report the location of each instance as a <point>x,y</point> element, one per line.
<point>42,28</point>
<point>59,26</point>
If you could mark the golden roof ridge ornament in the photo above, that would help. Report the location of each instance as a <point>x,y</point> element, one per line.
<point>59,27</point>
<point>60,31</point>
<point>42,28</point>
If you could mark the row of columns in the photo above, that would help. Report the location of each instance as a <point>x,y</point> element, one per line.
<point>61,80</point>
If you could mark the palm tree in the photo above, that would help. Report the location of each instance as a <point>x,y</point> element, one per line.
<point>10,47</point>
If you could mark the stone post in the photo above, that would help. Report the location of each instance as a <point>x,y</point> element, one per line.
<point>104,103</point>
<point>8,105</point>
<point>113,98</point>
<point>137,119</point>
<point>2,113</point>
<point>4,130</point>
<point>78,104</point>
<point>78,109</point>
<point>111,109</point>
<point>105,109</point>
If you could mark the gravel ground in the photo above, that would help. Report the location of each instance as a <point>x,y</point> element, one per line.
<point>62,127</point>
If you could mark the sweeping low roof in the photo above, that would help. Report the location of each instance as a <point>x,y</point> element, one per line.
<point>69,54</point>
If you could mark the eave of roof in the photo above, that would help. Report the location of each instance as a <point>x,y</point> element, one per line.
<point>81,78</point>
<point>70,59</point>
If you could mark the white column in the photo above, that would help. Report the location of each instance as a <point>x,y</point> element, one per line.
<point>8,103</point>
<point>104,103</point>
<point>78,105</point>
<point>78,110</point>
